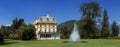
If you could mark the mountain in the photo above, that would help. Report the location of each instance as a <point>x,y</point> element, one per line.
<point>69,24</point>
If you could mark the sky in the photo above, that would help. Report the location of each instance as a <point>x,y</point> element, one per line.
<point>61,10</point>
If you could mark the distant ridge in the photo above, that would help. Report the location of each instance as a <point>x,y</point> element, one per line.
<point>69,24</point>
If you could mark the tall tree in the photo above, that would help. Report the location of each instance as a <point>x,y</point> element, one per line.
<point>90,11</point>
<point>105,25</point>
<point>17,23</point>
<point>115,29</point>
<point>15,26</point>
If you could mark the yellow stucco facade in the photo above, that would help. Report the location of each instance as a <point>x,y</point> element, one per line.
<point>46,28</point>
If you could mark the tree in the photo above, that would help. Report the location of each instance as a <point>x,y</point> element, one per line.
<point>17,23</point>
<point>64,32</point>
<point>26,32</point>
<point>90,11</point>
<point>6,31</point>
<point>105,25</point>
<point>1,38</point>
<point>89,29</point>
<point>115,29</point>
<point>14,27</point>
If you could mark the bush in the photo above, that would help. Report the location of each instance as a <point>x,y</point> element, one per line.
<point>117,37</point>
<point>14,36</point>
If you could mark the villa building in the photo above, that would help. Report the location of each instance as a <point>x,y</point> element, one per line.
<point>46,28</point>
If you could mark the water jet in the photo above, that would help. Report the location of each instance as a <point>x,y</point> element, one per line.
<point>74,37</point>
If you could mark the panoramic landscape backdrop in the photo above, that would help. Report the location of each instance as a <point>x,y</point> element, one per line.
<point>59,23</point>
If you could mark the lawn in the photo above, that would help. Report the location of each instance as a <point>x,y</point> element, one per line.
<point>60,43</point>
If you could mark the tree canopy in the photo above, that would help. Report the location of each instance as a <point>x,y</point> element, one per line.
<point>90,10</point>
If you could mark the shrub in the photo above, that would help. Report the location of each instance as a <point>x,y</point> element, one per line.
<point>14,36</point>
<point>116,37</point>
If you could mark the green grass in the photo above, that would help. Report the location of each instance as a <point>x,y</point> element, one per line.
<point>59,43</point>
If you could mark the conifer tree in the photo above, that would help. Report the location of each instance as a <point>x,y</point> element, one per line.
<point>105,25</point>
<point>115,29</point>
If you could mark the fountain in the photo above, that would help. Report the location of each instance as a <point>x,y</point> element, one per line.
<point>74,37</point>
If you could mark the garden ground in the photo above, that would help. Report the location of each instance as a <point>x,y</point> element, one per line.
<point>61,43</point>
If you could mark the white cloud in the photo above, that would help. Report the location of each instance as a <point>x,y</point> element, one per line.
<point>8,25</point>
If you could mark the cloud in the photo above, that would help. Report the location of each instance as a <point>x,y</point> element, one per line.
<point>8,25</point>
